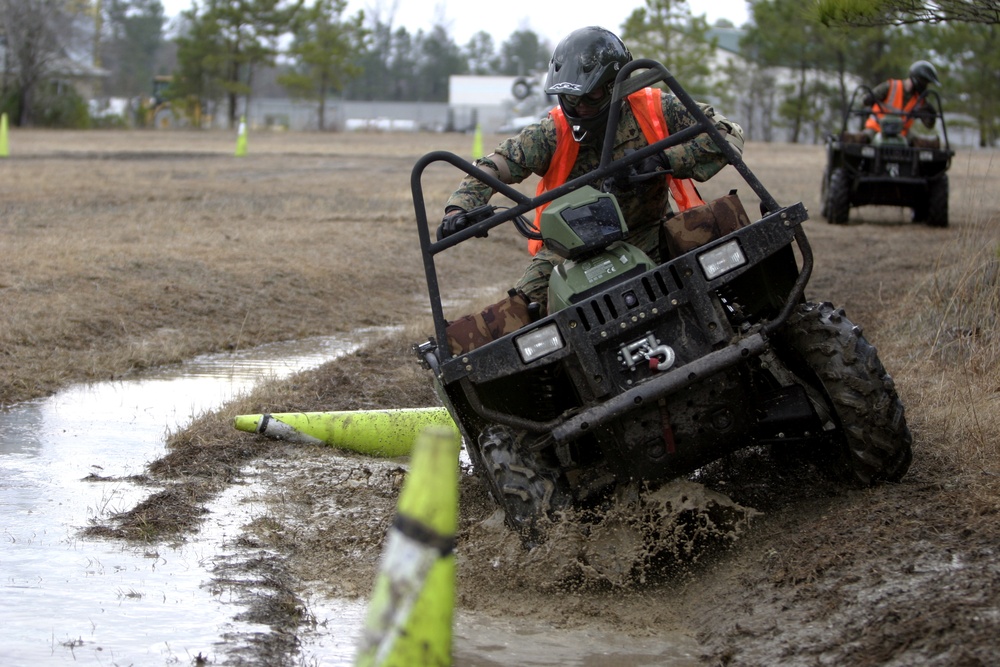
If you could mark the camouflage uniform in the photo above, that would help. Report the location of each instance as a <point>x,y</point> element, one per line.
<point>643,205</point>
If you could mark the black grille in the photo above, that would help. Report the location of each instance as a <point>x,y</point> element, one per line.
<point>606,308</point>
<point>901,154</point>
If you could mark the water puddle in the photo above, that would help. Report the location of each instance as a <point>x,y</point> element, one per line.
<point>482,641</point>
<point>68,600</point>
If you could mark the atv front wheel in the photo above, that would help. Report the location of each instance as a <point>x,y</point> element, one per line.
<point>864,408</point>
<point>838,197</point>
<point>525,489</point>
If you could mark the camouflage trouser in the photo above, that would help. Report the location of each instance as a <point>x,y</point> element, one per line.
<point>535,281</point>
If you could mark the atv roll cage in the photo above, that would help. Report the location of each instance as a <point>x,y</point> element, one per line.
<point>758,240</point>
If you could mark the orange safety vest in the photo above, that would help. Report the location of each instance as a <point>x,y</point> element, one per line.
<point>893,103</point>
<point>648,111</point>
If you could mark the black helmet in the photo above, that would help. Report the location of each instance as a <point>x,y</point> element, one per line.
<point>584,65</point>
<point>923,73</point>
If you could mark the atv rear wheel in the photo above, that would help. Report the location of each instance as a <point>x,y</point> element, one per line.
<point>838,197</point>
<point>937,202</point>
<point>863,405</point>
<point>525,489</point>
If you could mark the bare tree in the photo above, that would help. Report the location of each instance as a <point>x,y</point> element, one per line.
<point>903,12</point>
<point>34,31</point>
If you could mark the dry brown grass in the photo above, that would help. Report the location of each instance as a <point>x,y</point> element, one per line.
<point>945,333</point>
<point>124,250</point>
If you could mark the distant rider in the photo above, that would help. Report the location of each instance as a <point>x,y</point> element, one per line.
<point>903,97</point>
<point>567,144</point>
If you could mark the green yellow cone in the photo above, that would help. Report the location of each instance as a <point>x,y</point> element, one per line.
<point>4,148</point>
<point>477,143</point>
<point>374,432</point>
<point>241,139</point>
<point>411,611</point>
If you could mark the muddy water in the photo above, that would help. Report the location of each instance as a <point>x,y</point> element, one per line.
<point>64,599</point>
<point>481,641</point>
<point>69,600</point>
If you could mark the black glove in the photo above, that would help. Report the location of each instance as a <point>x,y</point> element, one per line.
<point>656,162</point>
<point>454,220</point>
<point>655,166</point>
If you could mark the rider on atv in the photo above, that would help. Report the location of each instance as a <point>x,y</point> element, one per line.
<point>905,98</point>
<point>567,144</point>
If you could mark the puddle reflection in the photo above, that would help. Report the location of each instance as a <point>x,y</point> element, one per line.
<point>68,600</point>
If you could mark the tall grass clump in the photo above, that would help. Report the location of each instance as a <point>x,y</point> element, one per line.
<point>944,342</point>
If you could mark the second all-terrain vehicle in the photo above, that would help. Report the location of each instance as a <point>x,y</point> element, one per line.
<point>891,168</point>
<point>641,373</point>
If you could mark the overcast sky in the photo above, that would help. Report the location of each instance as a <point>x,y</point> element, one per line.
<point>552,19</point>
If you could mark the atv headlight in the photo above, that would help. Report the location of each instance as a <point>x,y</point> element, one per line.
<point>722,259</point>
<point>538,343</point>
<point>867,151</point>
<point>925,156</point>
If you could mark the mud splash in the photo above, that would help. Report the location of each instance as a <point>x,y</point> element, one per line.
<point>641,536</point>
<point>326,512</point>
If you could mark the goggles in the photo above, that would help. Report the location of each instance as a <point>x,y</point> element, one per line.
<point>591,98</point>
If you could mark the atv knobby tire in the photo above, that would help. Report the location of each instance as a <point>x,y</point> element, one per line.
<point>837,207</point>
<point>937,202</point>
<point>876,442</point>
<point>524,489</point>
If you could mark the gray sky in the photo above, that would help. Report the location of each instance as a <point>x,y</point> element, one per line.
<point>552,19</point>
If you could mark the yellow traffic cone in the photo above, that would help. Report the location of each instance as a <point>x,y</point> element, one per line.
<point>4,148</point>
<point>411,611</point>
<point>477,143</point>
<point>373,432</point>
<point>241,139</point>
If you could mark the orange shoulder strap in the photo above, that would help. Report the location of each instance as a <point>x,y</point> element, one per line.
<point>907,108</point>
<point>648,110</point>
<point>562,163</point>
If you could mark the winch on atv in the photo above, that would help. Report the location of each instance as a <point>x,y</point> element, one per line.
<point>642,372</point>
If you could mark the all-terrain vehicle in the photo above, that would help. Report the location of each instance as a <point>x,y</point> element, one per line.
<point>641,373</point>
<point>891,169</point>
